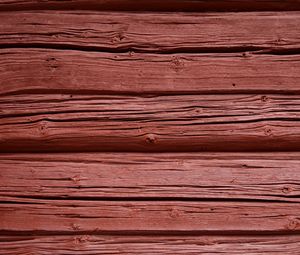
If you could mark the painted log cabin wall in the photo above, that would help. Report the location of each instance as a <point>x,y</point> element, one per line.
<point>149,127</point>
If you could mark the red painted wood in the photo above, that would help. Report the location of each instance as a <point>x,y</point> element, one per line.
<point>67,122</point>
<point>150,244</point>
<point>248,176</point>
<point>105,81</point>
<point>129,217</point>
<point>152,32</point>
<point>75,71</point>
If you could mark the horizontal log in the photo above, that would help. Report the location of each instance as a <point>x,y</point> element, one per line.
<point>152,32</point>
<point>71,122</point>
<point>251,176</point>
<point>136,245</point>
<point>153,5</point>
<point>42,70</point>
<point>82,216</point>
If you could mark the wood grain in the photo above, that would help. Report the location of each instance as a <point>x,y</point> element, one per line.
<point>152,32</point>
<point>249,176</point>
<point>77,76</point>
<point>136,245</point>
<point>71,122</point>
<point>154,5</point>
<point>79,72</point>
<point>53,216</point>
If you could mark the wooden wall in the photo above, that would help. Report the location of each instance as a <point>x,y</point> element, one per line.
<point>149,127</point>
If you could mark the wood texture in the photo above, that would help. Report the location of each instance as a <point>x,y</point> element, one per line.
<point>154,5</point>
<point>78,72</point>
<point>189,245</point>
<point>67,122</point>
<point>152,32</point>
<point>73,79</point>
<point>249,176</point>
<point>125,217</point>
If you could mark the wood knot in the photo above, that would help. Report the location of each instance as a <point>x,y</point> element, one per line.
<point>264,98</point>
<point>75,226</point>
<point>177,63</point>
<point>279,41</point>
<point>245,55</point>
<point>286,190</point>
<point>293,224</point>
<point>174,213</point>
<point>233,84</point>
<point>206,241</point>
<point>198,110</point>
<point>52,63</point>
<point>50,59</point>
<point>42,127</point>
<point>86,34</point>
<point>76,179</point>
<point>81,239</point>
<point>118,38</point>
<point>268,131</point>
<point>150,139</point>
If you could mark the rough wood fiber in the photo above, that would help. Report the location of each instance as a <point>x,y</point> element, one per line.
<point>152,32</point>
<point>251,176</point>
<point>94,81</point>
<point>67,122</point>
<point>78,72</point>
<point>154,5</point>
<point>136,245</point>
<point>54,216</point>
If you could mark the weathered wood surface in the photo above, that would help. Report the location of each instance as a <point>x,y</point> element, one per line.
<point>54,216</point>
<point>251,176</point>
<point>106,81</point>
<point>152,32</point>
<point>67,122</point>
<point>78,72</point>
<point>154,5</point>
<point>169,245</point>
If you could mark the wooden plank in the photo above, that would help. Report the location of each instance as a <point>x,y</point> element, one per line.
<point>125,217</point>
<point>93,72</point>
<point>251,176</point>
<point>152,32</point>
<point>71,122</point>
<point>169,245</point>
<point>154,5</point>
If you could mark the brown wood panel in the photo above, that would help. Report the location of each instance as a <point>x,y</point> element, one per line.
<point>152,32</point>
<point>77,216</point>
<point>44,70</point>
<point>154,5</point>
<point>67,122</point>
<point>251,176</point>
<point>169,245</point>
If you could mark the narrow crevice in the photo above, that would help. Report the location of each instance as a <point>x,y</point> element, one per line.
<point>134,120</point>
<point>154,93</point>
<point>139,233</point>
<point>126,49</point>
<point>41,199</point>
<point>279,51</point>
<point>155,49</point>
<point>154,5</point>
